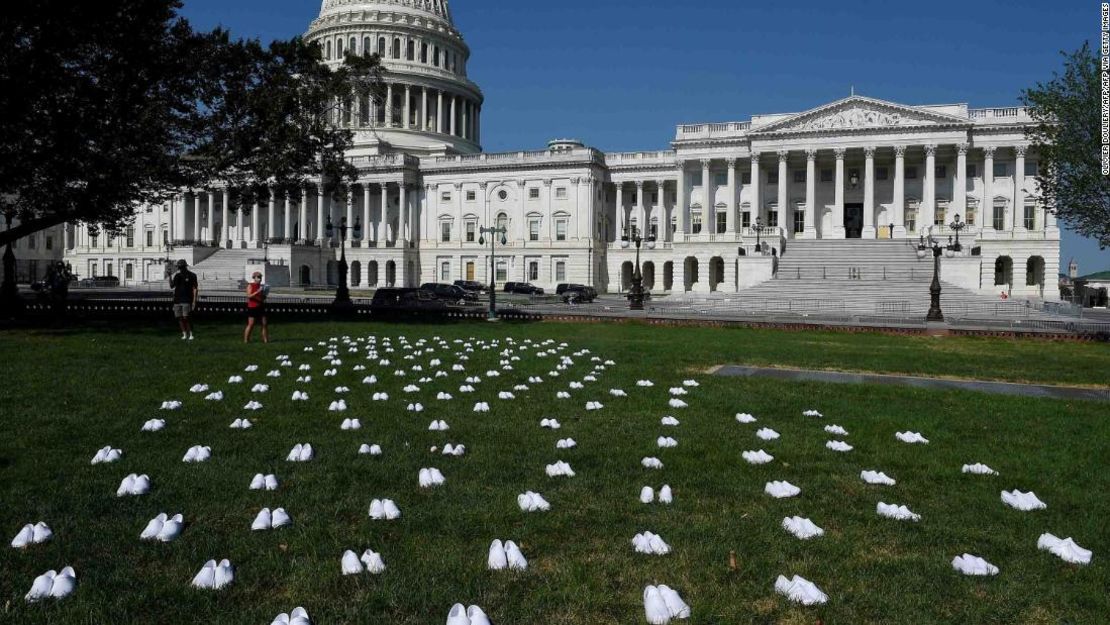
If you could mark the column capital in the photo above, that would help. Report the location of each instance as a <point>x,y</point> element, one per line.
<point>706,162</point>
<point>576,180</point>
<point>618,185</point>
<point>660,184</point>
<point>869,152</point>
<point>755,158</point>
<point>483,186</point>
<point>731,162</point>
<point>839,153</point>
<point>988,151</point>
<point>783,155</point>
<point>811,155</point>
<point>961,149</point>
<point>429,187</point>
<point>930,150</point>
<point>546,182</point>
<point>1019,150</point>
<point>899,151</point>
<point>639,185</point>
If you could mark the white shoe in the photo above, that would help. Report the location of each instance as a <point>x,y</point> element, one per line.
<point>665,495</point>
<point>41,533</point>
<point>647,494</point>
<point>377,510</point>
<point>40,588</point>
<point>225,574</point>
<point>477,616</point>
<point>675,604</point>
<point>517,561</point>
<point>171,529</point>
<point>351,565</point>
<point>271,482</point>
<point>206,577</point>
<point>306,453</point>
<point>457,615</point>
<point>263,521</point>
<point>65,582</point>
<point>25,537</point>
<point>391,510</point>
<point>497,559</point>
<point>280,518</point>
<point>655,609</point>
<point>258,482</point>
<point>373,561</point>
<point>153,527</point>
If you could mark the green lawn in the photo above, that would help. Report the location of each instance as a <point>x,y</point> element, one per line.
<point>66,394</point>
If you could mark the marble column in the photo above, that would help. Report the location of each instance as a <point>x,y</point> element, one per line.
<point>439,111</point>
<point>680,205</point>
<point>929,190</point>
<point>320,221</point>
<point>810,231</point>
<point>302,216</point>
<point>620,211</point>
<point>212,218</point>
<point>287,217</point>
<point>987,210</point>
<point>785,219</point>
<point>730,219</point>
<point>196,218</point>
<point>708,208</point>
<point>380,235</point>
<point>959,192</point>
<point>641,214</point>
<point>350,217</point>
<point>401,237</point>
<point>271,217</point>
<point>255,218</point>
<point>367,225</point>
<point>660,212</point>
<point>406,110</point>
<point>423,108</point>
<point>239,229</point>
<point>389,105</point>
<point>899,199</point>
<point>757,191</point>
<point>838,196</point>
<point>1017,216</point>
<point>452,120</point>
<point>868,193</point>
<point>225,214</point>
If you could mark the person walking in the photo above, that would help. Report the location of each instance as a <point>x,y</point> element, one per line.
<point>185,287</point>
<point>256,308</point>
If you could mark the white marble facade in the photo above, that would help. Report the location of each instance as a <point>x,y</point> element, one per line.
<point>854,168</point>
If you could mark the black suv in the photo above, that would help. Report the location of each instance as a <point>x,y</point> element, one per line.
<point>449,292</point>
<point>523,288</point>
<point>472,285</point>
<point>576,293</point>
<point>390,300</point>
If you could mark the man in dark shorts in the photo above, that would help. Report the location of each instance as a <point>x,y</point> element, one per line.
<point>184,285</point>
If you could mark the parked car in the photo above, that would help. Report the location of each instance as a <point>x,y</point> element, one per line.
<point>523,288</point>
<point>449,292</point>
<point>576,293</point>
<point>405,300</point>
<point>472,285</point>
<point>99,281</point>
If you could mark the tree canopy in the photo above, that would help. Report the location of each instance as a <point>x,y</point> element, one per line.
<point>1068,139</point>
<point>114,103</point>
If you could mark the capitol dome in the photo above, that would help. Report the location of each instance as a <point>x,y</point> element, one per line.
<point>431,107</point>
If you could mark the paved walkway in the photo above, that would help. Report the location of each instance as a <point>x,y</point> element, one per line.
<point>981,386</point>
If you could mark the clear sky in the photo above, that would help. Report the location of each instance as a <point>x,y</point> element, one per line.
<point>621,74</point>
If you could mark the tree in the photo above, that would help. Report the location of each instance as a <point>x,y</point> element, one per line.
<point>115,103</point>
<point>1068,139</point>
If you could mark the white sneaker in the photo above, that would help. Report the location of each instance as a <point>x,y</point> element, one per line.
<point>498,559</point>
<point>477,616</point>
<point>351,565</point>
<point>25,537</point>
<point>271,482</point>
<point>225,574</point>
<point>655,609</point>
<point>171,529</point>
<point>190,336</point>
<point>206,577</point>
<point>153,527</point>
<point>263,521</point>
<point>373,561</point>
<point>457,615</point>
<point>517,561</point>
<point>675,604</point>
<point>280,518</point>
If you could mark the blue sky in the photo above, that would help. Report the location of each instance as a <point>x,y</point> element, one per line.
<point>620,74</point>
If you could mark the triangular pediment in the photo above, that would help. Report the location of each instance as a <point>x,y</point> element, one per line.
<point>859,112</point>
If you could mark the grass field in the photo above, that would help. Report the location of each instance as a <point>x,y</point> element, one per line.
<point>67,394</point>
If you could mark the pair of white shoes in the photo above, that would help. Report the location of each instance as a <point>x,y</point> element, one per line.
<point>241,424</point>
<point>650,544</point>
<point>532,502</point>
<point>380,397</point>
<point>305,367</point>
<point>559,469</point>
<point>800,590</point>
<point>213,576</point>
<point>551,424</point>
<point>652,463</point>
<point>196,453</point>
<point>677,403</point>
<point>677,391</point>
<point>53,585</point>
<point>836,430</point>
<point>458,368</point>
<point>106,455</point>
<point>1023,501</point>
<point>594,405</point>
<point>898,513</point>
<point>198,388</point>
<point>781,490</point>
<point>342,389</point>
<point>431,477</point>
<point>565,443</point>
<point>466,388</point>
<point>562,395</point>
<point>669,421</point>
<point>574,386</point>
<point>134,485</point>
<point>300,396</point>
<point>661,604</point>
<point>438,426</point>
<point>264,482</point>
<point>481,407</point>
<point>913,438</point>
<point>417,407</point>
<point>260,388</point>
<point>330,373</point>
<point>688,383</point>
<point>743,417</point>
<point>338,405</point>
<point>473,380</point>
<point>305,379</point>
<point>370,450</point>
<point>877,477</point>
<point>492,374</point>
<point>766,434</point>
<point>461,615</point>
<point>154,425</point>
<point>163,528</point>
<point>350,424</point>
<point>616,392</point>
<point>802,528</point>
<point>411,388</point>
<point>506,556</point>
<point>299,616</point>
<point>443,396</point>
<point>647,494</point>
<point>973,565</point>
<point>253,405</point>
<point>32,535</point>
<point>384,510</point>
<point>216,396</point>
<point>274,373</point>
<point>301,453</point>
<point>251,368</point>
<point>812,413</point>
<point>979,469</point>
<point>237,379</point>
<point>505,395</point>
<point>840,446</point>
<point>369,562</point>
<point>271,520</point>
<point>645,383</point>
<point>173,404</point>
<point>757,457</point>
<point>535,379</point>
<point>520,387</point>
<point>666,442</point>
<point>454,450</point>
<point>370,379</point>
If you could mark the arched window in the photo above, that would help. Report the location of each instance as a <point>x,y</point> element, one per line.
<point>352,46</point>
<point>396,47</point>
<point>424,53</point>
<point>411,50</point>
<point>502,220</point>
<point>338,48</point>
<point>435,58</point>
<point>381,47</point>
<point>1003,271</point>
<point>366,46</point>
<point>1034,271</point>
<point>327,52</point>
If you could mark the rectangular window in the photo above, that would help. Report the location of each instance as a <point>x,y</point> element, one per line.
<point>799,175</point>
<point>746,219</point>
<point>108,269</point>
<point>882,173</point>
<point>470,228</point>
<point>128,271</point>
<point>653,229</point>
<point>799,221</point>
<point>561,230</point>
<point>720,180</point>
<point>826,175</point>
<point>999,217</point>
<point>942,171</point>
<point>111,242</point>
<point>970,215</point>
<point>130,237</point>
<point>746,177</point>
<point>445,271</point>
<point>31,242</point>
<point>94,240</point>
<point>560,271</point>
<point>560,193</point>
<point>911,220</point>
<point>150,238</point>
<point>533,271</point>
<point>534,193</point>
<point>911,173</point>
<point>1030,217</point>
<point>773,219</point>
<point>445,196</point>
<point>772,177</point>
<point>470,196</point>
<point>722,222</point>
<point>502,272</point>
<point>445,231</point>
<point>1000,170</point>
<point>972,170</point>
<point>695,223</point>
<point>941,215</point>
<point>49,242</point>
<point>1030,168</point>
<point>533,229</point>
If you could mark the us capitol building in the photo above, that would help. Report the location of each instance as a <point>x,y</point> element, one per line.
<point>727,201</point>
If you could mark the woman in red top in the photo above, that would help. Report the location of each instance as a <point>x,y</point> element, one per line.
<point>256,308</point>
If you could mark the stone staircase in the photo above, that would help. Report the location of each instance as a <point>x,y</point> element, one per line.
<point>225,269</point>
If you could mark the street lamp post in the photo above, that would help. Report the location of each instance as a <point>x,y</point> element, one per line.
<point>483,231</point>
<point>923,248</point>
<point>758,231</point>
<point>636,294</point>
<point>342,302</point>
<point>956,226</point>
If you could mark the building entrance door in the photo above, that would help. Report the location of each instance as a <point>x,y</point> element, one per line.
<point>470,270</point>
<point>853,221</point>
